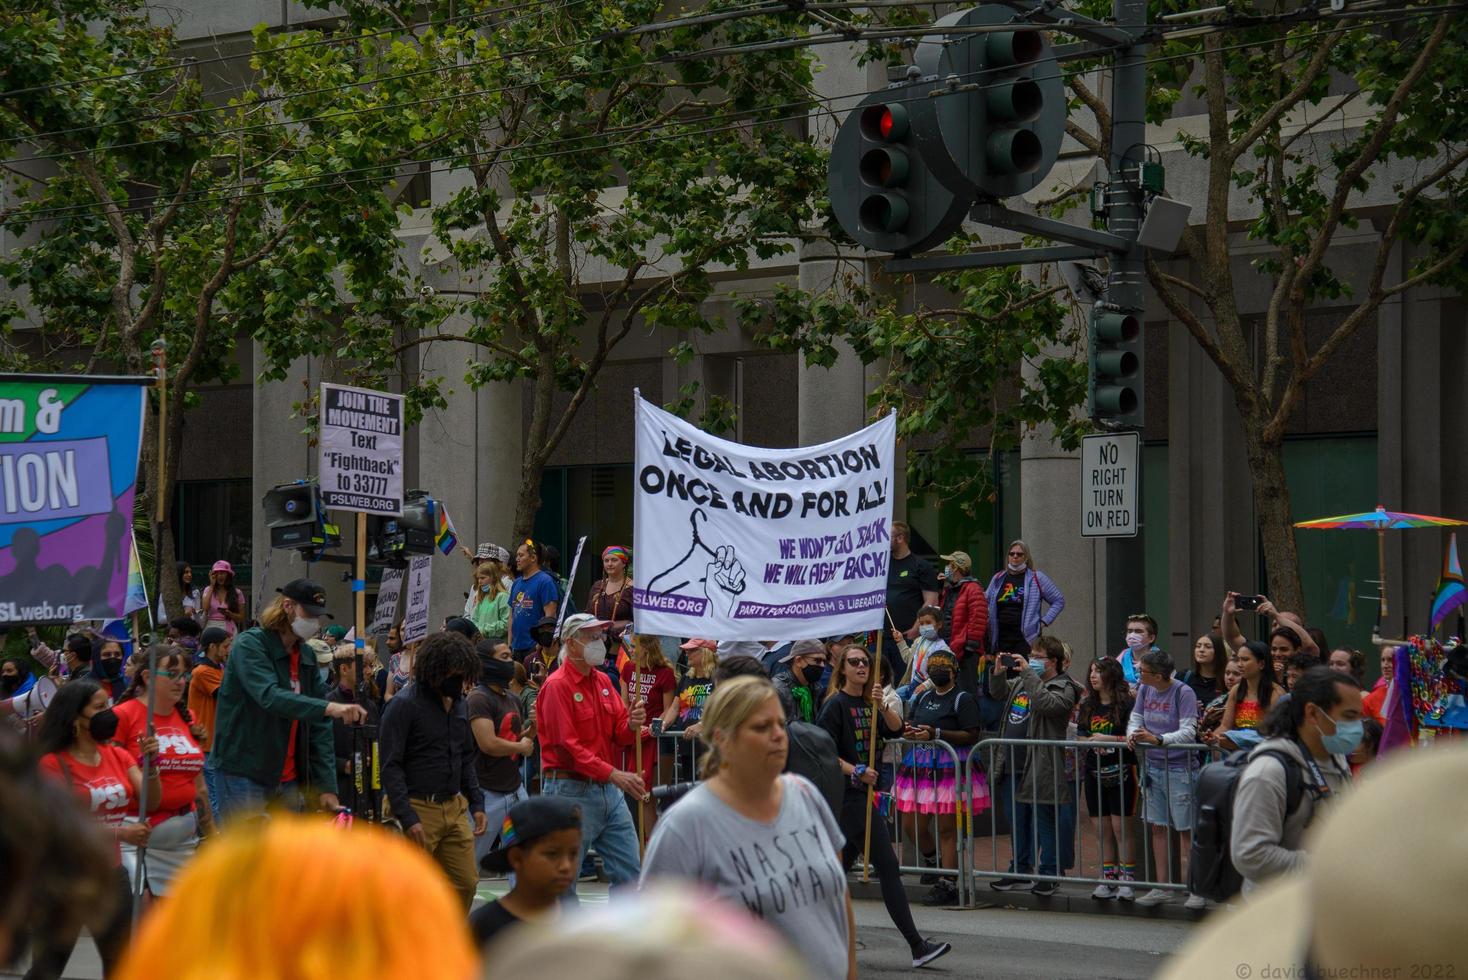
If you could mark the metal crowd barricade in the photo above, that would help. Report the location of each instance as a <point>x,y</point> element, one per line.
<point>679,756</point>
<point>1051,833</point>
<point>925,782</point>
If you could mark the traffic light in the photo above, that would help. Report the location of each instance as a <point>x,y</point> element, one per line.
<point>1115,385</point>
<point>882,191</point>
<point>1001,125</point>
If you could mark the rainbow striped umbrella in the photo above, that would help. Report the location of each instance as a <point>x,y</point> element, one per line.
<point>1380,520</point>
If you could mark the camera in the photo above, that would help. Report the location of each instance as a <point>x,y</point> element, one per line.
<point>1246,602</point>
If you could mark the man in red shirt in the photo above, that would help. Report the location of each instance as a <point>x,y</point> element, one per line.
<point>583,722</point>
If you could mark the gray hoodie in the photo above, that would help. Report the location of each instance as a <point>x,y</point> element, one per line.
<point>1264,841</point>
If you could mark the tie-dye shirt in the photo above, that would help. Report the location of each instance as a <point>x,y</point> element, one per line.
<point>1247,715</point>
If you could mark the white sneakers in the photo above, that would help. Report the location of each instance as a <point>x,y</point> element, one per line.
<point>1103,892</point>
<point>1156,896</point>
<point>1125,893</point>
<point>1195,903</point>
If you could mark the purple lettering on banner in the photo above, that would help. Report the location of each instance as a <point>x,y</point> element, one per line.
<point>832,606</point>
<point>46,481</point>
<point>668,602</point>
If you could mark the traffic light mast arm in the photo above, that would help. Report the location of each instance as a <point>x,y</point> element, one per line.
<point>990,213</point>
<point>992,260</point>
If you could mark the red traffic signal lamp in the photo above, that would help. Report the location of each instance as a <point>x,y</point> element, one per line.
<point>882,191</point>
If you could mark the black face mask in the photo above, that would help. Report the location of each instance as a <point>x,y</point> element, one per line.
<point>497,671</point>
<point>811,674</point>
<point>941,676</point>
<point>112,669</point>
<point>9,685</point>
<point>103,725</point>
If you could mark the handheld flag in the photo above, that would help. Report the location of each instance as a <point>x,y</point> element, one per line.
<point>446,538</point>
<point>1452,591</point>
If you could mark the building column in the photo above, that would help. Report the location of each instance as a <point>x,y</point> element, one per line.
<point>466,455</point>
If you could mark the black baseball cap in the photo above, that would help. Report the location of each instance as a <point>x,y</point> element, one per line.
<point>462,626</point>
<point>528,821</point>
<point>309,594</point>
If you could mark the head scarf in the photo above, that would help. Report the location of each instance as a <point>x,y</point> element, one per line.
<point>618,551</point>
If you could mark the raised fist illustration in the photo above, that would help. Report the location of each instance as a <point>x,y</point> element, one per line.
<point>724,578</point>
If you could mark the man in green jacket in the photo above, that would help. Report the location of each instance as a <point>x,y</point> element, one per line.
<point>273,728</point>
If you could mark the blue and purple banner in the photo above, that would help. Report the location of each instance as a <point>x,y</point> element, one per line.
<point>68,473</point>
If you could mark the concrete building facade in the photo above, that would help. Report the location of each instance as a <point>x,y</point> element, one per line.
<point>1381,424</point>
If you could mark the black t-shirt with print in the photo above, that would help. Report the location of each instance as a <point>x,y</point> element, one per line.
<point>955,711</point>
<point>1009,609</point>
<point>848,719</point>
<point>907,579</point>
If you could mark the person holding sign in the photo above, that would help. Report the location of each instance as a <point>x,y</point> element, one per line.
<point>534,595</point>
<point>847,716</point>
<point>584,725</point>
<point>273,724</point>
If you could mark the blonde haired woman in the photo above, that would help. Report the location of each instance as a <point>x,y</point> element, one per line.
<point>488,607</point>
<point>747,808</point>
<point>647,679</point>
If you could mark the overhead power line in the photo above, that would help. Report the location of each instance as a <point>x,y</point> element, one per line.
<point>352,176</point>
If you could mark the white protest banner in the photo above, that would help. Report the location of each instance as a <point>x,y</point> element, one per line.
<point>361,450</point>
<point>740,543</point>
<point>415,618</point>
<point>387,601</point>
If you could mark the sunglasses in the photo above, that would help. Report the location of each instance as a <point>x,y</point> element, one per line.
<point>1016,554</point>
<point>171,675</point>
<point>858,662</point>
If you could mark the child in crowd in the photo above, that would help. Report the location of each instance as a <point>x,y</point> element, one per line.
<point>929,641</point>
<point>539,845</point>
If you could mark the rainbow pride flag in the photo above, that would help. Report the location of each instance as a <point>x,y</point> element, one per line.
<point>447,538</point>
<point>1452,591</point>
<point>137,592</point>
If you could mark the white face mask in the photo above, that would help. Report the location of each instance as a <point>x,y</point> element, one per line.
<point>1016,566</point>
<point>594,652</point>
<point>305,628</point>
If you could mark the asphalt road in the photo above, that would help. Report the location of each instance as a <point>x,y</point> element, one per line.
<point>999,943</point>
<point>1013,943</point>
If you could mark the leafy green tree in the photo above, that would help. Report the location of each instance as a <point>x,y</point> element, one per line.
<point>1314,125</point>
<point>139,212</point>
<point>608,171</point>
<point>1003,357</point>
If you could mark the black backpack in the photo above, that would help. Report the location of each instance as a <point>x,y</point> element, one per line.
<point>1211,871</point>
<point>813,755</point>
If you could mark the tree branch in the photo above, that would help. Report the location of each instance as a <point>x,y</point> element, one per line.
<point>1386,122</point>
<point>1319,62</point>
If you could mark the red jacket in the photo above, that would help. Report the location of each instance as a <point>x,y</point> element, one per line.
<point>581,718</point>
<point>968,616</point>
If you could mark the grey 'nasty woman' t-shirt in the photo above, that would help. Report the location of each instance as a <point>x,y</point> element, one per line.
<point>786,872</point>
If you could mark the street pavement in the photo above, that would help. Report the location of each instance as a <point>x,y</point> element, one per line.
<point>998,943</point>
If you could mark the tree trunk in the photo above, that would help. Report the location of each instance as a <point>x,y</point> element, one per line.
<point>1272,509</point>
<point>532,463</point>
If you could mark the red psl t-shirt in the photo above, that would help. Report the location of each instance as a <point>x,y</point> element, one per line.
<point>288,771</point>
<point>103,788</point>
<point>180,758</point>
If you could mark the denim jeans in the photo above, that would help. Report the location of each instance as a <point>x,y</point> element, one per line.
<point>606,824</point>
<point>496,807</point>
<point>1033,824</point>
<point>240,796</point>
<point>211,783</point>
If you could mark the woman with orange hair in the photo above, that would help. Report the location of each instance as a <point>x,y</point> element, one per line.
<point>316,910</point>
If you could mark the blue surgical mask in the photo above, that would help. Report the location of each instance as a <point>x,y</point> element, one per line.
<point>927,631</point>
<point>1345,739</point>
<point>1037,664</point>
